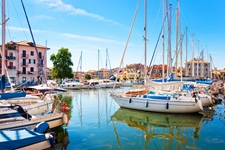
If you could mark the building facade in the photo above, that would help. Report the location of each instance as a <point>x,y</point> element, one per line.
<point>198,68</point>
<point>24,63</point>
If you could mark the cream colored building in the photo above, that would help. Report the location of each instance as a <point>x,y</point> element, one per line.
<point>202,68</point>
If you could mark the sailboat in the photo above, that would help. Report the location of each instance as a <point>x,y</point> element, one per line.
<point>143,99</point>
<point>3,94</point>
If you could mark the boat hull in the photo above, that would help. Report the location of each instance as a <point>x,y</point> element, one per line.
<point>154,105</point>
<point>53,119</point>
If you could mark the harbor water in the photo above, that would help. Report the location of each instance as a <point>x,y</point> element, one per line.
<point>97,122</point>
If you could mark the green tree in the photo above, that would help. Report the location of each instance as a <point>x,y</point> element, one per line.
<point>87,76</point>
<point>62,64</point>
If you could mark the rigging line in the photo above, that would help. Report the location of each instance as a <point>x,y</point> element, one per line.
<point>20,20</point>
<point>109,60</point>
<point>39,61</point>
<point>7,28</point>
<point>157,16</point>
<point>131,28</point>
<point>178,48</point>
<point>157,41</point>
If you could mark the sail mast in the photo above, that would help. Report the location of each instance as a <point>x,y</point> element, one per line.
<point>169,41</point>
<point>163,46</point>
<point>193,57</point>
<point>186,50</point>
<point>145,39</point>
<point>198,60</point>
<point>3,37</point>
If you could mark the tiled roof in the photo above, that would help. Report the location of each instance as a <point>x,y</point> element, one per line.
<point>26,43</point>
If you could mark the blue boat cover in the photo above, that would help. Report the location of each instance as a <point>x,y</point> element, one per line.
<point>9,95</point>
<point>158,97</point>
<point>12,139</point>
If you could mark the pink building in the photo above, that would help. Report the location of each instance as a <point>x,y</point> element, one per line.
<point>22,64</point>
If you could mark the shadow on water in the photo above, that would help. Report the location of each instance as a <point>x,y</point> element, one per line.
<point>160,130</point>
<point>61,139</point>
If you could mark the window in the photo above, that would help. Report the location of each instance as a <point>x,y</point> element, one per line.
<point>32,79</point>
<point>24,53</point>
<point>31,61</point>
<point>24,61</point>
<point>32,53</point>
<point>24,79</point>
<point>40,55</point>
<point>31,69</point>
<point>12,79</point>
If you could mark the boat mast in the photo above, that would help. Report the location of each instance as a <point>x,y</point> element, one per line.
<point>202,64</point>
<point>181,70</point>
<point>177,35</point>
<point>145,39</point>
<point>98,63</point>
<point>169,61</point>
<point>163,46</point>
<point>193,56</point>
<point>81,61</point>
<point>198,60</point>
<point>3,37</point>
<point>186,51</point>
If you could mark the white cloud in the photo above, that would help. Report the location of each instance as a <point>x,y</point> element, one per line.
<point>24,29</point>
<point>42,17</point>
<point>89,38</point>
<point>60,6</point>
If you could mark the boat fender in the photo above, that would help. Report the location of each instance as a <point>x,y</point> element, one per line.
<point>130,100</point>
<point>146,104</point>
<point>41,127</point>
<point>64,107</point>
<point>50,138</point>
<point>167,105</point>
<point>65,119</point>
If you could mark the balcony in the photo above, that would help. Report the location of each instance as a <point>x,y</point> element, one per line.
<point>11,67</point>
<point>11,57</point>
<point>24,55</point>
<point>24,64</point>
<point>41,57</point>
<point>23,72</point>
<point>11,47</point>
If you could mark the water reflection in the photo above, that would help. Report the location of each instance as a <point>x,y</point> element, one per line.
<point>95,103</point>
<point>61,138</point>
<point>164,131</point>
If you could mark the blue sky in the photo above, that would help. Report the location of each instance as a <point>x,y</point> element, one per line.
<point>92,25</point>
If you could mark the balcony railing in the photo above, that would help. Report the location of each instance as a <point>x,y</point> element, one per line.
<point>24,55</point>
<point>11,67</point>
<point>11,48</point>
<point>28,72</point>
<point>11,57</point>
<point>24,64</point>
<point>41,57</point>
<point>23,72</point>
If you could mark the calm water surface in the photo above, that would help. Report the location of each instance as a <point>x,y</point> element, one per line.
<point>97,122</point>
